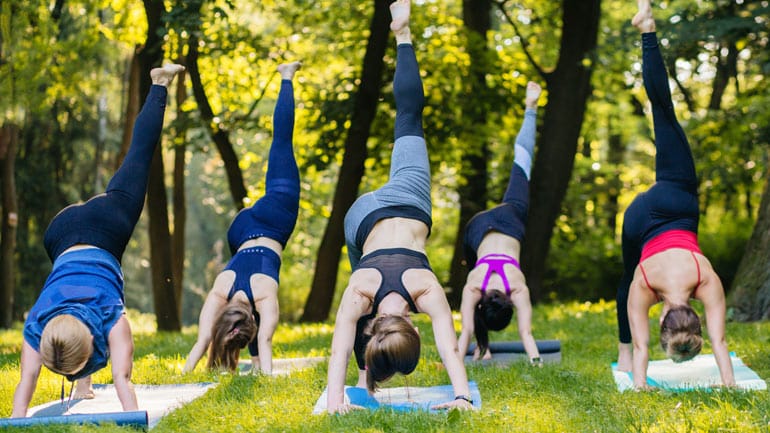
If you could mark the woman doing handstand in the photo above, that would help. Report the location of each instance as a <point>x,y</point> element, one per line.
<point>79,320</point>
<point>385,232</point>
<point>496,284</point>
<point>662,260</point>
<point>242,307</point>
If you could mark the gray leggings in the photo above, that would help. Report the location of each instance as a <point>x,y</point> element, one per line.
<point>409,185</point>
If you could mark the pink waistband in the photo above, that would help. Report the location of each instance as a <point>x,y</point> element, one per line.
<point>684,239</point>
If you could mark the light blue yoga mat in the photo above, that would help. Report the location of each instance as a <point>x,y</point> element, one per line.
<point>700,372</point>
<point>401,399</point>
<point>156,400</point>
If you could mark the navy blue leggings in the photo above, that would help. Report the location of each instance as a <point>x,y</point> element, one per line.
<point>509,217</point>
<point>275,214</point>
<point>670,204</point>
<point>408,93</point>
<point>107,220</point>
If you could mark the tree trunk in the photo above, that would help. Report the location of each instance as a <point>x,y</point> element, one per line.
<point>9,136</point>
<point>473,192</point>
<point>165,303</point>
<point>180,208</point>
<point>750,291</point>
<point>132,106</point>
<point>319,300</point>
<point>219,134</point>
<point>569,86</point>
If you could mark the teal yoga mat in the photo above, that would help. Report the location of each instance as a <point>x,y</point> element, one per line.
<point>401,399</point>
<point>700,372</point>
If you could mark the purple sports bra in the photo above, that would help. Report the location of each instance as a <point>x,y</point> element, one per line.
<point>496,264</point>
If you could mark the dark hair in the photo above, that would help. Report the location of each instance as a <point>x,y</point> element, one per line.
<point>493,312</point>
<point>680,333</point>
<point>232,331</point>
<point>394,347</point>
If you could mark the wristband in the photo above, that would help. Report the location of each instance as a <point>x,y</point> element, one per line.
<point>464,397</point>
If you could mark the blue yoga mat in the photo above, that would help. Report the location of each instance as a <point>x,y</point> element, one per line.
<point>698,373</point>
<point>401,399</point>
<point>136,419</point>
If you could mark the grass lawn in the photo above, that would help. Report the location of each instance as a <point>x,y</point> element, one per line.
<point>578,395</point>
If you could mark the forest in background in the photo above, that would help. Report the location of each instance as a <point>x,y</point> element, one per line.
<point>73,74</point>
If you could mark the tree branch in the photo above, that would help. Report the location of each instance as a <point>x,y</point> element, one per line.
<point>501,5</point>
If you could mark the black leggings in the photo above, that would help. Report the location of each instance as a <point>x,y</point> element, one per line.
<point>107,220</point>
<point>670,204</point>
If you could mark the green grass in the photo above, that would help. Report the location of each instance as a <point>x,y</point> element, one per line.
<point>577,395</point>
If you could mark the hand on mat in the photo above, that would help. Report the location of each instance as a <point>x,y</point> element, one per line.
<point>345,408</point>
<point>454,404</point>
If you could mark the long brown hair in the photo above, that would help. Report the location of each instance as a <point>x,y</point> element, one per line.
<point>394,347</point>
<point>680,333</point>
<point>494,312</point>
<point>232,331</point>
<point>65,344</point>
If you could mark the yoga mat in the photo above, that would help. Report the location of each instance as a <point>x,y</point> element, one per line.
<point>136,419</point>
<point>401,399</point>
<point>283,366</point>
<point>700,372</point>
<point>157,400</point>
<point>507,352</point>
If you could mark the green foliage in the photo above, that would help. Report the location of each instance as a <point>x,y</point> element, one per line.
<point>578,394</point>
<point>55,69</point>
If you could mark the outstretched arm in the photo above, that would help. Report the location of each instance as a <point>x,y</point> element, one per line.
<point>640,300</point>
<point>712,294</point>
<point>214,303</point>
<point>434,303</point>
<point>523,306</point>
<point>30,371</point>
<point>268,321</point>
<point>122,355</point>
<point>471,298</point>
<point>352,306</point>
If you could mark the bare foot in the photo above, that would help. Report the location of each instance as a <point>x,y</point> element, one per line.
<point>533,94</point>
<point>643,19</point>
<point>476,354</point>
<point>624,357</point>
<point>487,355</point>
<point>361,379</point>
<point>83,396</point>
<point>287,70</point>
<point>165,75</point>
<point>399,12</point>
<point>83,389</point>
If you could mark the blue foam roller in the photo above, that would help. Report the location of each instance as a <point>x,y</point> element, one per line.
<point>543,346</point>
<point>136,419</point>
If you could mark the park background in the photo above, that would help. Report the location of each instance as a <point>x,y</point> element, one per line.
<point>74,73</point>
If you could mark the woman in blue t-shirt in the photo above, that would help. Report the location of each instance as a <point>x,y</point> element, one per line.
<point>78,322</point>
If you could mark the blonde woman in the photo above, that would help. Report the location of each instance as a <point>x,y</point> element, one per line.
<point>242,307</point>
<point>385,232</point>
<point>79,321</point>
